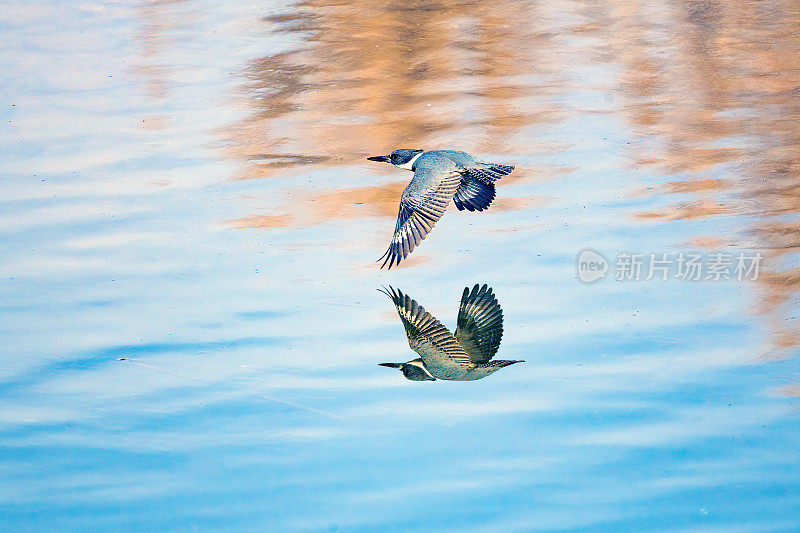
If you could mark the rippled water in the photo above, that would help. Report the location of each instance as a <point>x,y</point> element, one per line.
<point>190,325</point>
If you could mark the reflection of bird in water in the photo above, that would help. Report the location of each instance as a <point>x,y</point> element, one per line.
<point>465,356</point>
<point>439,175</point>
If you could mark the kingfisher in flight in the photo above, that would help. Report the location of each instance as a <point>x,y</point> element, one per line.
<point>439,176</point>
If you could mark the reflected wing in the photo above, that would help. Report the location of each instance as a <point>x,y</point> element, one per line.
<point>426,335</point>
<point>480,324</point>
<point>422,205</point>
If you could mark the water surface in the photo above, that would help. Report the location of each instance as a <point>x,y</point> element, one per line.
<point>188,231</point>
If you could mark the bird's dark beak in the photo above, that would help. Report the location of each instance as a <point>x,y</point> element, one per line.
<point>391,365</point>
<point>381,158</point>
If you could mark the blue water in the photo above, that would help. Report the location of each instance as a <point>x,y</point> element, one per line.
<point>188,227</point>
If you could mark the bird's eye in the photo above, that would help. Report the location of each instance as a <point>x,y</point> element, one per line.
<point>394,158</point>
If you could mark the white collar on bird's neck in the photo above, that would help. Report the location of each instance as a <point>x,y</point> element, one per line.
<point>410,164</point>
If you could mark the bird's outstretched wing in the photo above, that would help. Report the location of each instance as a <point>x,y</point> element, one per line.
<point>480,324</point>
<point>426,335</point>
<point>421,206</point>
<point>474,195</point>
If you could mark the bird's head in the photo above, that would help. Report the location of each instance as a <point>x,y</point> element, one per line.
<point>403,158</point>
<point>413,370</point>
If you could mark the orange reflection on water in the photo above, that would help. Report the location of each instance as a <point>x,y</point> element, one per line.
<point>305,210</point>
<point>713,87</point>
<point>368,79</point>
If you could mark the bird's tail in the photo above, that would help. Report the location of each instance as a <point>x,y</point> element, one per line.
<point>489,172</point>
<point>500,364</point>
